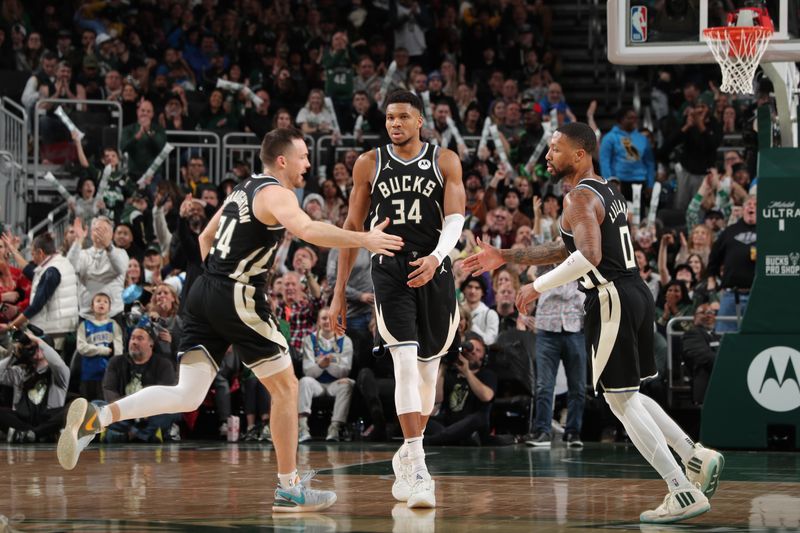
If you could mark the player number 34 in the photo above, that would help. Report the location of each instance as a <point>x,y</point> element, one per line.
<point>400,215</point>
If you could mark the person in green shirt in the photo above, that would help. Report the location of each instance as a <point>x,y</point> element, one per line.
<point>338,63</point>
<point>142,140</point>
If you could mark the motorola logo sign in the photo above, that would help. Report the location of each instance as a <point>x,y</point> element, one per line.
<point>773,379</point>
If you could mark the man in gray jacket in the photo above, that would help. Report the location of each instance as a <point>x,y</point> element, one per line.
<point>40,378</point>
<point>100,268</point>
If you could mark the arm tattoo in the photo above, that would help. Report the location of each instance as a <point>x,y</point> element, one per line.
<point>546,254</point>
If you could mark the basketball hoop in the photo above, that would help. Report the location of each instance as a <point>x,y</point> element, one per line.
<point>738,49</point>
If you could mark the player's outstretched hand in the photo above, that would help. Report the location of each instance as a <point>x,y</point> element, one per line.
<point>426,268</point>
<point>378,242</point>
<point>338,312</point>
<point>525,296</point>
<point>486,260</point>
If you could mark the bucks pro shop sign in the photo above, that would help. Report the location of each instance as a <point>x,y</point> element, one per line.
<point>773,379</point>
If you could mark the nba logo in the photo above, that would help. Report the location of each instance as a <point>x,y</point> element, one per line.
<point>639,24</point>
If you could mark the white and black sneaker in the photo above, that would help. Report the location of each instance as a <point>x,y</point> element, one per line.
<point>679,504</point>
<point>540,439</point>
<point>704,469</point>
<point>573,440</point>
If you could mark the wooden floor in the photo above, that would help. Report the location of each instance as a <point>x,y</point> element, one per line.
<point>207,486</point>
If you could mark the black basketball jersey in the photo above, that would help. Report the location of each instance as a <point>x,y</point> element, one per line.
<point>244,248</point>
<point>411,194</point>
<point>618,259</point>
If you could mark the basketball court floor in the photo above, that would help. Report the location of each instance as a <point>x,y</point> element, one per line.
<point>207,486</point>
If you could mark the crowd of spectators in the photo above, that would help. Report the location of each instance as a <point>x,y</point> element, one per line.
<point>109,298</point>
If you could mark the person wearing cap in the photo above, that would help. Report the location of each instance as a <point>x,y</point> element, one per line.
<point>136,370</point>
<point>89,75</point>
<point>175,115</point>
<point>152,263</point>
<point>313,206</point>
<point>437,94</point>
<point>626,154</point>
<point>101,267</point>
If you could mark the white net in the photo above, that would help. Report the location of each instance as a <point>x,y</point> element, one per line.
<point>738,51</point>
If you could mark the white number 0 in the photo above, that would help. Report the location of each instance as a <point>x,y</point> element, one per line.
<point>627,247</point>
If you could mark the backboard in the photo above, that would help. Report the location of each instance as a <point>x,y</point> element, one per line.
<point>653,32</point>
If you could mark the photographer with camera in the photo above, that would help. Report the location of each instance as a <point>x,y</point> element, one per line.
<point>54,289</point>
<point>465,389</point>
<point>39,378</point>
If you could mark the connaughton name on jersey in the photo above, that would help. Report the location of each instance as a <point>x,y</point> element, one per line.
<point>240,199</point>
<point>397,184</point>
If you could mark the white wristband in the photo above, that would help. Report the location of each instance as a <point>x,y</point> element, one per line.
<point>451,232</point>
<point>571,269</point>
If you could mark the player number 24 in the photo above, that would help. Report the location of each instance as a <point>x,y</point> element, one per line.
<point>400,216</point>
<point>222,239</point>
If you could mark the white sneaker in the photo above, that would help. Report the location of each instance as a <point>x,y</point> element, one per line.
<point>407,520</point>
<point>704,469</point>
<point>304,435</point>
<point>401,488</point>
<point>680,504</point>
<point>81,427</point>
<point>333,432</point>
<point>423,492</point>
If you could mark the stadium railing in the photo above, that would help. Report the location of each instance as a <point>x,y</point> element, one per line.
<point>241,146</point>
<point>114,111</point>
<point>205,144</point>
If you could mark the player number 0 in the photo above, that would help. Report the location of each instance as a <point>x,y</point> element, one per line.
<point>627,246</point>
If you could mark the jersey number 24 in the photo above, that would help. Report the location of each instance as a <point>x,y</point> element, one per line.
<point>222,239</point>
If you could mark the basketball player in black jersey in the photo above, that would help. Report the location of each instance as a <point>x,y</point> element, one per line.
<point>418,186</point>
<point>597,251</point>
<point>227,306</point>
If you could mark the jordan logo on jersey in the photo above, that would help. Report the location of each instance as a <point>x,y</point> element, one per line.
<point>387,167</point>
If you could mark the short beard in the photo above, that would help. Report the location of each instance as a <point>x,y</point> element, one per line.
<point>137,356</point>
<point>196,223</point>
<point>404,143</point>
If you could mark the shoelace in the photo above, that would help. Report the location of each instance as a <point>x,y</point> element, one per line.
<point>307,477</point>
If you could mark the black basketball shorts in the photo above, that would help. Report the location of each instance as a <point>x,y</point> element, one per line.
<point>221,313</point>
<point>619,334</point>
<point>427,316</point>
